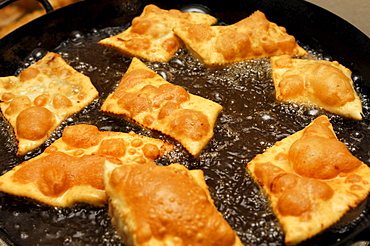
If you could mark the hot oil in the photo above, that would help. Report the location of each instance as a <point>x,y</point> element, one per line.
<point>250,122</point>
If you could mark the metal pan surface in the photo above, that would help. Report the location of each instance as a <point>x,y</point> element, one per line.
<point>251,120</point>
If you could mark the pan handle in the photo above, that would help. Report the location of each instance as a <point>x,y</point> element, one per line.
<point>45,3</point>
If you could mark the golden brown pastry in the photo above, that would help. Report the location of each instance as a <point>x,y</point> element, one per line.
<point>164,205</point>
<point>70,170</point>
<point>311,179</point>
<point>154,103</point>
<point>41,98</point>
<point>319,82</point>
<point>252,37</point>
<point>151,37</point>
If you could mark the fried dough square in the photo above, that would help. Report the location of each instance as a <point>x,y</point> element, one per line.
<point>250,38</point>
<point>164,205</point>
<point>43,95</point>
<point>311,179</point>
<point>151,37</point>
<point>321,83</point>
<point>145,97</point>
<point>70,170</point>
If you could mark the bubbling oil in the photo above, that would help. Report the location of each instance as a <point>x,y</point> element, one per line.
<point>251,121</point>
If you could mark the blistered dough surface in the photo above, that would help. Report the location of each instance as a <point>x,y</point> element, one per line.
<point>311,179</point>
<point>151,101</point>
<point>70,170</point>
<point>252,37</point>
<point>318,82</point>
<point>41,97</point>
<point>151,34</point>
<point>164,205</point>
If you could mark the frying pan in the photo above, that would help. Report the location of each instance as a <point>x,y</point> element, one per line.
<point>25,222</point>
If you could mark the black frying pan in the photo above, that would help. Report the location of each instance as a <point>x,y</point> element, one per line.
<point>310,24</point>
<point>25,222</point>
